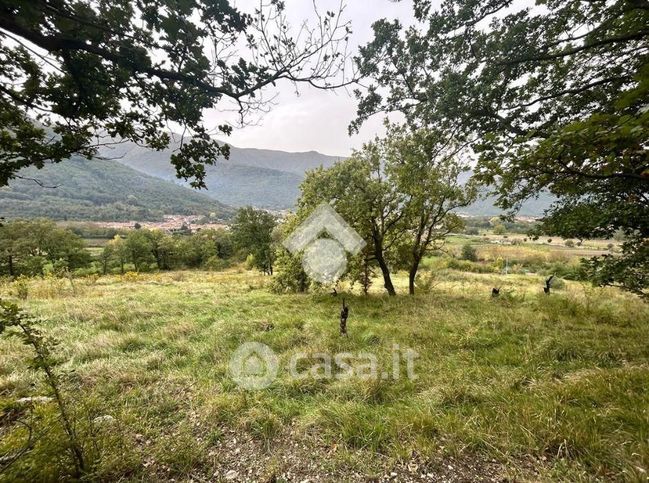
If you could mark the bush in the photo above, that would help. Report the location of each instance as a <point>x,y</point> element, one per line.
<point>250,262</point>
<point>567,271</point>
<point>469,253</point>
<point>215,263</point>
<point>570,243</point>
<point>290,276</point>
<point>558,283</point>
<point>468,266</point>
<point>22,287</point>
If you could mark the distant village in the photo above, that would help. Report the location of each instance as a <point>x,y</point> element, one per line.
<point>170,223</point>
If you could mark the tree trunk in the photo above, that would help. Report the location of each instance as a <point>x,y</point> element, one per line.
<point>11,266</point>
<point>411,281</point>
<point>387,280</point>
<point>412,275</point>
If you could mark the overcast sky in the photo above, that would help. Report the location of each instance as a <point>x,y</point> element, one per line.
<point>317,120</point>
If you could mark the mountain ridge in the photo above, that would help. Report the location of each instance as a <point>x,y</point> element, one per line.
<point>270,179</point>
<point>101,190</point>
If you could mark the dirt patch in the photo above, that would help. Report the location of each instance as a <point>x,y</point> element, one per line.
<point>239,457</point>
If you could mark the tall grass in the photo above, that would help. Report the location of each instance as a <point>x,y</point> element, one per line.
<point>556,384</point>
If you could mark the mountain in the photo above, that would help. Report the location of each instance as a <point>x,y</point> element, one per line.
<point>486,206</point>
<point>141,184</point>
<point>259,177</point>
<point>101,190</point>
<point>270,179</point>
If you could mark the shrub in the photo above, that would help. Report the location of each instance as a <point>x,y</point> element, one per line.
<point>558,283</point>
<point>290,276</point>
<point>130,276</point>
<point>250,262</point>
<point>216,263</point>
<point>570,243</point>
<point>22,287</point>
<point>469,253</point>
<point>468,266</point>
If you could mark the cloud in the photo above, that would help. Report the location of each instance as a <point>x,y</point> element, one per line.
<point>315,119</point>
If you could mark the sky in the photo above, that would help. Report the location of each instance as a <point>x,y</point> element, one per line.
<point>317,120</point>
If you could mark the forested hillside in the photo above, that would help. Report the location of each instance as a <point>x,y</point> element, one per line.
<point>260,177</point>
<point>78,189</point>
<point>271,179</point>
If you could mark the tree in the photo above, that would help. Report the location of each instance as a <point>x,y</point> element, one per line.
<point>551,99</point>
<point>15,245</point>
<point>399,193</point>
<point>252,232</point>
<point>26,246</point>
<point>117,247</point>
<point>469,253</point>
<point>80,75</point>
<point>65,247</point>
<point>163,248</point>
<point>360,193</point>
<point>196,249</point>
<point>140,248</point>
<point>105,257</point>
<point>425,169</point>
<point>223,241</point>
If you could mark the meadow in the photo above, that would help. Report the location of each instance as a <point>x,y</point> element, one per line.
<point>524,386</point>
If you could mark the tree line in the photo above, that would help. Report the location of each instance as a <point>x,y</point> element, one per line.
<point>37,247</point>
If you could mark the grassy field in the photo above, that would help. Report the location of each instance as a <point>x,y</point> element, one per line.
<point>524,386</point>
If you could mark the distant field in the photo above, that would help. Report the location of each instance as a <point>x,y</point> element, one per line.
<point>524,386</point>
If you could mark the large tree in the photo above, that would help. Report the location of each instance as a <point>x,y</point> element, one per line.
<point>75,75</point>
<point>552,97</point>
<point>400,193</point>
<point>362,196</point>
<point>426,168</point>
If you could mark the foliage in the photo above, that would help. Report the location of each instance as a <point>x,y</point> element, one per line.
<point>290,276</point>
<point>361,270</point>
<point>630,270</point>
<point>143,248</point>
<point>77,74</point>
<point>399,193</point>
<point>15,322</point>
<point>552,99</point>
<point>469,253</point>
<point>27,246</point>
<point>252,233</point>
<point>140,249</point>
